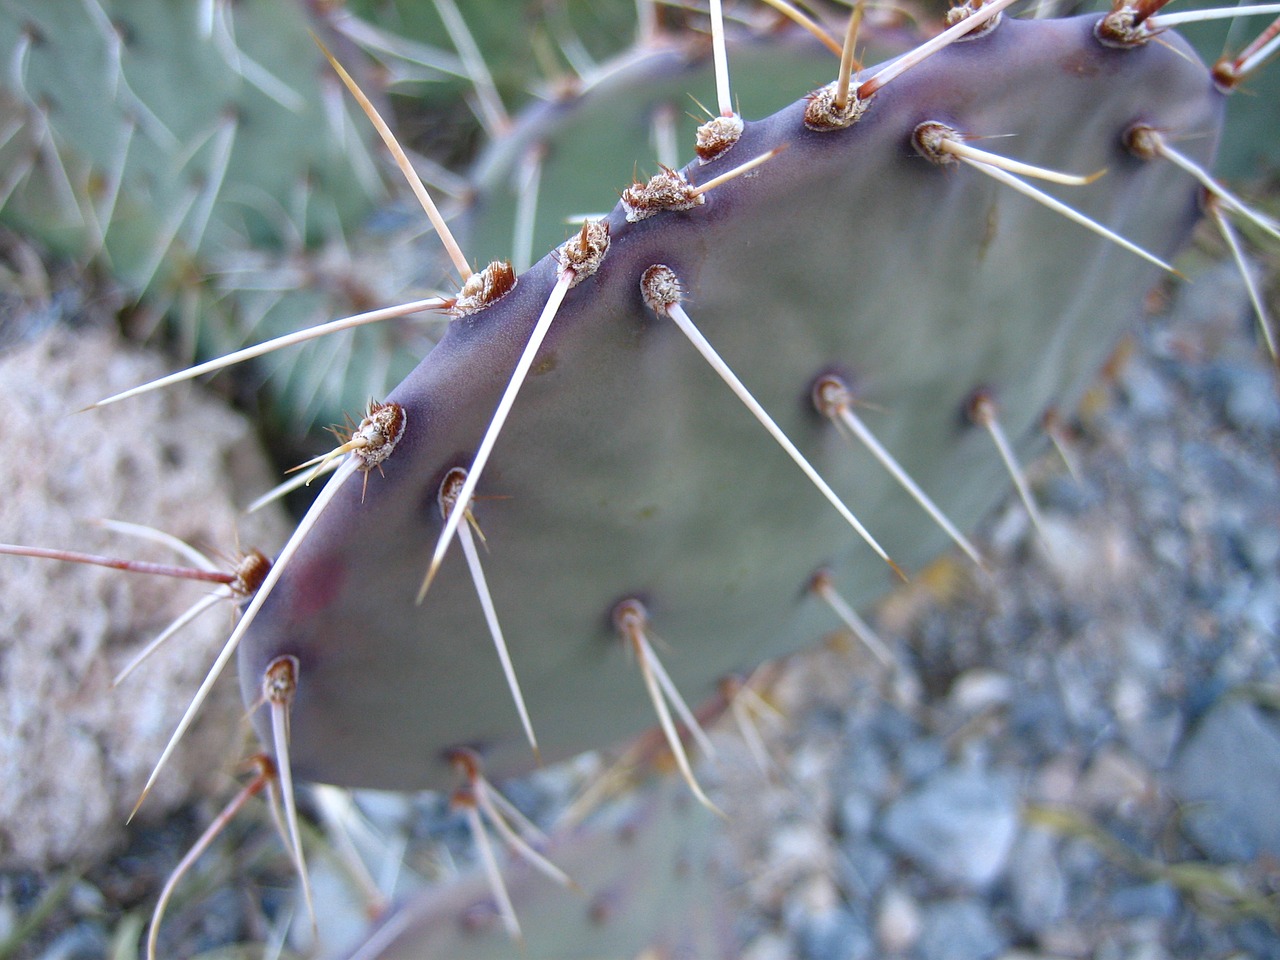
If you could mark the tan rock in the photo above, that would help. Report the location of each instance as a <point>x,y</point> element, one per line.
<point>75,753</point>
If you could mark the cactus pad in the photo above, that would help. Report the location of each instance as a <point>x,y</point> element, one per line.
<point>627,469</point>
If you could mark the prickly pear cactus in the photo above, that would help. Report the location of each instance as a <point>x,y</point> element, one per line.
<point>649,429</point>
<point>627,469</point>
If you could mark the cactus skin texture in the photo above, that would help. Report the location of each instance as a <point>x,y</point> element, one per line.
<point>627,470</point>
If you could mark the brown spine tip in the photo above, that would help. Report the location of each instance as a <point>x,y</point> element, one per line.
<point>603,909</point>
<point>898,571</point>
<point>1145,9</point>
<point>1226,75</point>
<point>463,798</point>
<point>263,769</point>
<point>729,686</point>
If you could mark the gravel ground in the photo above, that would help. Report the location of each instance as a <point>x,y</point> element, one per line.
<point>1074,756</point>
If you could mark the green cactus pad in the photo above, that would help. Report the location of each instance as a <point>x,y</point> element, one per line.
<point>627,469</point>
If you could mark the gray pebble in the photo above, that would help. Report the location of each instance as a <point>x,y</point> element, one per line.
<point>1157,900</point>
<point>1249,397</point>
<point>1037,885</point>
<point>1228,776</point>
<point>864,868</point>
<point>865,768</point>
<point>898,921</point>
<point>1258,940</point>
<point>85,899</point>
<point>1262,611</point>
<point>959,826</point>
<point>835,934</point>
<point>958,930</point>
<point>1259,546</point>
<point>980,689</point>
<point>768,946</point>
<point>856,814</point>
<point>1146,393</point>
<point>1153,737</point>
<point>922,758</point>
<point>894,728</point>
<point>1039,719</point>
